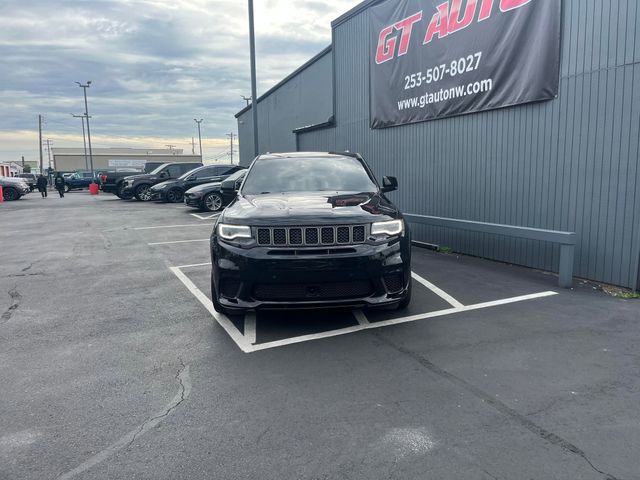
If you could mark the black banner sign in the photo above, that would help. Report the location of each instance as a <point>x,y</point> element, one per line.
<point>437,58</point>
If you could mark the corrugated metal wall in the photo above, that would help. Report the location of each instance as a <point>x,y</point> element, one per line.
<point>568,164</point>
<point>303,100</point>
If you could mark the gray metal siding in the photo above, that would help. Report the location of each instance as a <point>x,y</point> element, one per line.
<point>567,164</point>
<point>303,100</point>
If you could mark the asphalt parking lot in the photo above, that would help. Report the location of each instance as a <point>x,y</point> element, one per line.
<point>114,365</point>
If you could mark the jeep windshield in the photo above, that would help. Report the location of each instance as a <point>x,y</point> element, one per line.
<point>316,174</point>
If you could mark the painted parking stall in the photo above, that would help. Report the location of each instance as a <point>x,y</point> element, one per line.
<point>279,328</point>
<point>268,329</point>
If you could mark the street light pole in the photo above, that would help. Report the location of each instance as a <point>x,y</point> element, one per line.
<point>40,139</point>
<point>84,140</point>
<point>199,136</point>
<point>86,114</point>
<point>254,95</point>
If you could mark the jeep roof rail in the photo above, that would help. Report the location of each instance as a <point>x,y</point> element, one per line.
<point>346,154</point>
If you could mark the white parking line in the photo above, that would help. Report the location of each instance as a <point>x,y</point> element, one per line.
<point>194,265</point>
<point>208,217</point>
<point>176,226</point>
<point>438,291</point>
<point>250,327</point>
<point>360,316</point>
<point>395,321</point>
<point>179,241</point>
<point>222,320</point>
<point>247,344</point>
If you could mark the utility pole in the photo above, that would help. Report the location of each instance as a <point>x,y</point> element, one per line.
<point>84,139</point>
<point>199,136</point>
<point>40,137</point>
<point>193,146</point>
<point>254,95</point>
<point>231,135</point>
<point>171,147</point>
<point>49,150</point>
<point>86,114</point>
<point>23,163</point>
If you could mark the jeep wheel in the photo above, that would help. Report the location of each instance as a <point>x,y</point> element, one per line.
<point>143,192</point>
<point>174,195</point>
<point>212,202</point>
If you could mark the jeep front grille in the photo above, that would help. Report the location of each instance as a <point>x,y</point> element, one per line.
<point>311,236</point>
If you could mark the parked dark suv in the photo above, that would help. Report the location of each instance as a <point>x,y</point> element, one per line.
<point>172,191</point>
<point>111,182</point>
<point>310,230</point>
<point>140,185</point>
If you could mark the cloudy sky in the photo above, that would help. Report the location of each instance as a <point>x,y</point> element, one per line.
<point>154,64</point>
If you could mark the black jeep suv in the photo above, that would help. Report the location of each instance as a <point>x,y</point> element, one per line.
<point>140,185</point>
<point>310,230</point>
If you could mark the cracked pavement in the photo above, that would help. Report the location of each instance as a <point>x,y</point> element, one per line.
<point>15,298</point>
<point>112,370</point>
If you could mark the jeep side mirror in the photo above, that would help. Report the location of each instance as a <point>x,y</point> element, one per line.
<point>389,184</point>
<point>228,186</point>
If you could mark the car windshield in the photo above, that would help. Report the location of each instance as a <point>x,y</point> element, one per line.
<point>319,174</point>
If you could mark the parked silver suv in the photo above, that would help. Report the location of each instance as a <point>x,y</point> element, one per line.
<point>13,188</point>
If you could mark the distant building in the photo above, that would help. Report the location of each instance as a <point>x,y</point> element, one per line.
<point>10,169</point>
<point>71,159</point>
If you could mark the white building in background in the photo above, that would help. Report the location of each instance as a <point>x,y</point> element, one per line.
<point>10,169</point>
<point>72,159</point>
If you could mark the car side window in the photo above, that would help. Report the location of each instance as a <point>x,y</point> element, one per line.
<point>224,170</point>
<point>174,171</point>
<point>187,168</point>
<point>207,172</point>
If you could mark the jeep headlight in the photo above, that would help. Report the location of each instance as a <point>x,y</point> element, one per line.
<point>233,232</point>
<point>391,228</point>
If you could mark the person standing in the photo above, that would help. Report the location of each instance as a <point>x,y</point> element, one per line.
<point>42,183</point>
<point>58,182</point>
